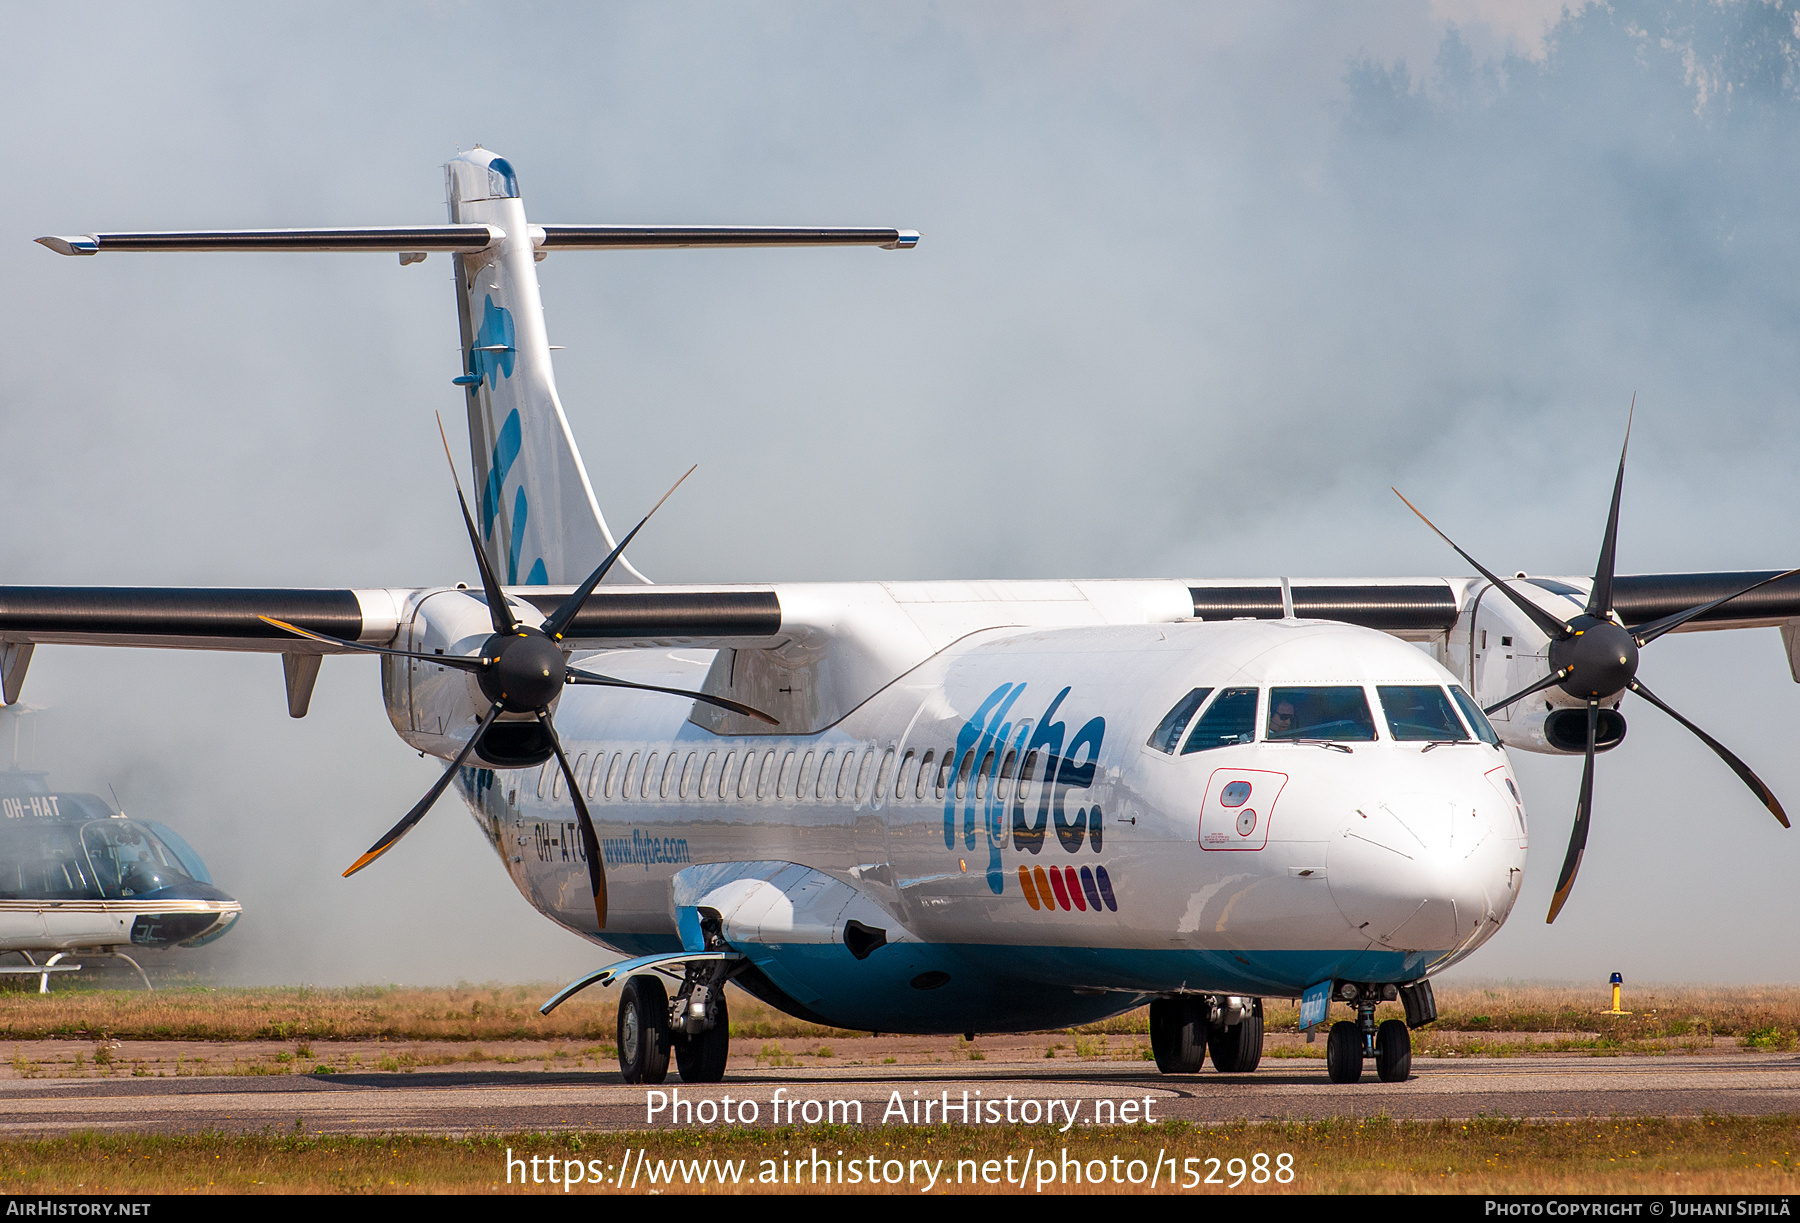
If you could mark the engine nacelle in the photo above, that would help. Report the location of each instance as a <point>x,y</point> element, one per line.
<point>436,708</point>
<point>1498,651</point>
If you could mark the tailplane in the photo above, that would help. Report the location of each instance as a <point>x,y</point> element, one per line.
<point>539,520</point>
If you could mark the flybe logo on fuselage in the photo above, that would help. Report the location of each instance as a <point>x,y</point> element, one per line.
<point>995,755</point>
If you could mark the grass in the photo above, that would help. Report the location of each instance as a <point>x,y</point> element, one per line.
<point>1759,1017</point>
<point>393,1012</point>
<point>1709,1155</point>
<point>1491,1020</point>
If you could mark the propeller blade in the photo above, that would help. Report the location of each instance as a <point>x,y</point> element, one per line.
<point>607,681</point>
<point>1555,677</point>
<point>590,842</point>
<point>458,661</point>
<point>1551,625</point>
<point>1644,634</point>
<point>412,817</point>
<point>1600,597</point>
<point>565,614</point>
<point>1737,766</point>
<point>498,608</point>
<point>1584,809</point>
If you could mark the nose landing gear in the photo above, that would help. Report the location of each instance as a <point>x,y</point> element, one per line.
<point>1390,1044</point>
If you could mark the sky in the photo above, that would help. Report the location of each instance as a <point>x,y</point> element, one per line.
<point>1198,284</point>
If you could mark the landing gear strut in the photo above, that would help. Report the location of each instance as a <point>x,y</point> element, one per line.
<point>700,1025</point>
<point>1390,1044</point>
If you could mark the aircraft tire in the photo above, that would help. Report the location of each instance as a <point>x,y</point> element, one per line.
<point>1393,1052</point>
<point>1239,1048</point>
<point>1343,1053</point>
<point>701,1058</point>
<point>644,1030</point>
<point>1178,1034</point>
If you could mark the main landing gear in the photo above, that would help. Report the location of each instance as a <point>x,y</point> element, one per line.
<point>695,1027</point>
<point>1348,1044</point>
<point>1186,1027</point>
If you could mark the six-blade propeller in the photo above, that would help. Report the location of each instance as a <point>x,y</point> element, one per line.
<point>522,669</point>
<point>1594,658</point>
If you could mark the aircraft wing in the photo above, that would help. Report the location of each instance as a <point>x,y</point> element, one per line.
<point>898,621</point>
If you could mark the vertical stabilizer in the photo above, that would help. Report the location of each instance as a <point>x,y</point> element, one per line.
<point>535,507</point>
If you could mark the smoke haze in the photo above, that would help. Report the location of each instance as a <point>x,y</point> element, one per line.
<point>1196,287</point>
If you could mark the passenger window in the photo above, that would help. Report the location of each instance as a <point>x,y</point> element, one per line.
<point>981,778</point>
<point>881,775</point>
<point>1006,768</point>
<point>1484,729</point>
<point>823,790</point>
<point>687,775</point>
<point>764,780</point>
<point>668,776</point>
<point>943,777</point>
<point>631,772</point>
<point>921,781</point>
<point>900,777</point>
<point>1335,713</point>
<point>784,780</point>
<point>862,774</point>
<point>962,774</point>
<point>1420,712</point>
<point>1027,771</point>
<point>747,775</point>
<point>845,775</point>
<point>1168,731</point>
<point>804,782</point>
<point>725,774</point>
<point>706,775</point>
<point>1231,718</point>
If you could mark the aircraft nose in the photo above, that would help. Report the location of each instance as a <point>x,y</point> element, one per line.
<point>1423,871</point>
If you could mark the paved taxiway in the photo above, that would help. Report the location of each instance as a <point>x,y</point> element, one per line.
<point>456,1100</point>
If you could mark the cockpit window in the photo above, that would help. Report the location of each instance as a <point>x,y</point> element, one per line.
<point>43,861</point>
<point>1231,718</point>
<point>1168,731</point>
<point>129,859</point>
<point>1420,712</point>
<point>1484,729</point>
<point>1337,713</point>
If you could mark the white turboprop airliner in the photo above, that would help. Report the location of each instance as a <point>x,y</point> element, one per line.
<point>952,806</point>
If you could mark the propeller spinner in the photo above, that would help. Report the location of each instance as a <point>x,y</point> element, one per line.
<point>521,668</point>
<point>1594,658</point>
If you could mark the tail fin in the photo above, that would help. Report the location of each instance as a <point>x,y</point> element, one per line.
<point>539,519</point>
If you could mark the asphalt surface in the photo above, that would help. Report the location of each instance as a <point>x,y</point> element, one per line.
<point>488,1100</point>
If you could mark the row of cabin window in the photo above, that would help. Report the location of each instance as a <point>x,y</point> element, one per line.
<point>840,776</point>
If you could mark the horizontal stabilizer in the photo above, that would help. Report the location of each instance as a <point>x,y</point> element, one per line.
<point>645,237</point>
<point>463,238</point>
<point>469,239</point>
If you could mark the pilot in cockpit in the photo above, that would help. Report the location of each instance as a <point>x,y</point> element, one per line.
<point>1281,719</point>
